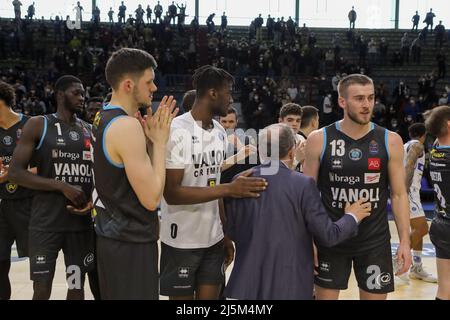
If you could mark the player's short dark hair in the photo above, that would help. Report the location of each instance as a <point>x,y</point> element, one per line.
<point>127,61</point>
<point>209,77</point>
<point>436,122</point>
<point>309,114</point>
<point>7,94</point>
<point>231,110</point>
<point>65,82</point>
<point>417,130</point>
<point>290,109</point>
<point>188,100</point>
<point>352,79</point>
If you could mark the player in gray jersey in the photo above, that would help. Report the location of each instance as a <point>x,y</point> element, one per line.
<point>353,159</point>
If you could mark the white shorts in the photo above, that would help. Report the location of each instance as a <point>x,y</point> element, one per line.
<point>415,206</point>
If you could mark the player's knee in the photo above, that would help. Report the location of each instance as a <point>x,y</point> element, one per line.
<point>42,290</point>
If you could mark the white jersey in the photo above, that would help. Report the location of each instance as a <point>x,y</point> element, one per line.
<point>201,154</point>
<point>418,168</point>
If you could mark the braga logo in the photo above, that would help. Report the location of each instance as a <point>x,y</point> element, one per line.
<point>7,140</point>
<point>355,154</point>
<point>74,135</point>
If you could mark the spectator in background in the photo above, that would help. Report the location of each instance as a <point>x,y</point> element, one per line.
<point>182,14</point>
<point>111,15</point>
<point>404,43</point>
<point>224,22</point>
<point>416,50</point>
<point>149,14</point>
<point>17,13</point>
<point>31,11</point>
<point>415,20</point>
<point>259,21</point>
<point>442,65</point>
<point>270,22</point>
<point>210,23</point>
<point>429,19</point>
<point>384,47</point>
<point>439,35</point>
<point>158,10</point>
<point>172,12</point>
<point>122,13</point>
<point>352,18</point>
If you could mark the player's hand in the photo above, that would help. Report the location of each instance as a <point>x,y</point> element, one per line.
<point>229,252</point>
<point>4,169</point>
<point>300,149</point>
<point>74,194</point>
<point>81,211</point>
<point>404,258</point>
<point>157,126</point>
<point>360,209</point>
<point>245,186</point>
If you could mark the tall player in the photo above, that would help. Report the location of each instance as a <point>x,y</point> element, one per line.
<point>353,159</point>
<point>438,124</point>
<point>192,240</point>
<point>60,145</point>
<point>15,201</point>
<point>414,165</point>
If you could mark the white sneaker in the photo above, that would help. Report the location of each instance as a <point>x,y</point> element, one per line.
<point>419,273</point>
<point>402,280</point>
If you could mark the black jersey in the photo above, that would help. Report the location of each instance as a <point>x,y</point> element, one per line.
<point>440,176</point>
<point>119,214</point>
<point>351,170</point>
<point>8,141</point>
<point>63,154</point>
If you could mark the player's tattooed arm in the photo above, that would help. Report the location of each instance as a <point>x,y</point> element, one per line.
<point>414,153</point>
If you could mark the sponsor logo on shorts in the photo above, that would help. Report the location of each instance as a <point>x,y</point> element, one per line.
<point>88,259</point>
<point>183,272</point>
<point>355,154</point>
<point>377,279</point>
<point>372,178</point>
<point>324,266</point>
<point>41,259</point>
<point>11,187</point>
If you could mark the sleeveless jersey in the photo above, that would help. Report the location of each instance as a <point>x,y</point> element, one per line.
<point>118,213</point>
<point>440,175</point>
<point>356,169</point>
<point>418,168</point>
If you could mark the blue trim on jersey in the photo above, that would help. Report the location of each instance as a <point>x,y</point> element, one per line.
<point>111,107</point>
<point>338,126</point>
<point>117,165</point>
<point>324,146</point>
<point>386,134</point>
<point>21,116</point>
<point>43,134</point>
<point>442,147</point>
<point>372,126</point>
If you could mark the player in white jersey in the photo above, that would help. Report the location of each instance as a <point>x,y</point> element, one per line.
<point>193,246</point>
<point>414,164</point>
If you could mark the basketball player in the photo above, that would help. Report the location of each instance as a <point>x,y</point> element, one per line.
<point>129,170</point>
<point>60,145</point>
<point>353,159</point>
<point>310,121</point>
<point>192,240</point>
<point>438,124</point>
<point>15,201</point>
<point>414,165</point>
<point>291,115</point>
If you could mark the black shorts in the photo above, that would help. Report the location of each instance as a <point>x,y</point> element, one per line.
<point>77,247</point>
<point>183,270</point>
<point>14,219</point>
<point>373,270</point>
<point>127,270</point>
<point>440,236</point>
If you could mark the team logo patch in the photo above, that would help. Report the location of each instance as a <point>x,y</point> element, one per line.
<point>7,140</point>
<point>195,140</point>
<point>183,272</point>
<point>373,147</point>
<point>87,143</point>
<point>88,259</point>
<point>372,178</point>
<point>41,259</point>
<point>19,133</point>
<point>74,136</point>
<point>337,163</point>
<point>87,155</point>
<point>211,182</point>
<point>355,154</point>
<point>11,187</point>
<point>374,164</point>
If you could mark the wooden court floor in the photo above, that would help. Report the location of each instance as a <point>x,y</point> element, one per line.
<point>22,288</point>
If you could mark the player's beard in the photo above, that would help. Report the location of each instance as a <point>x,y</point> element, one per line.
<point>140,104</point>
<point>354,117</point>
